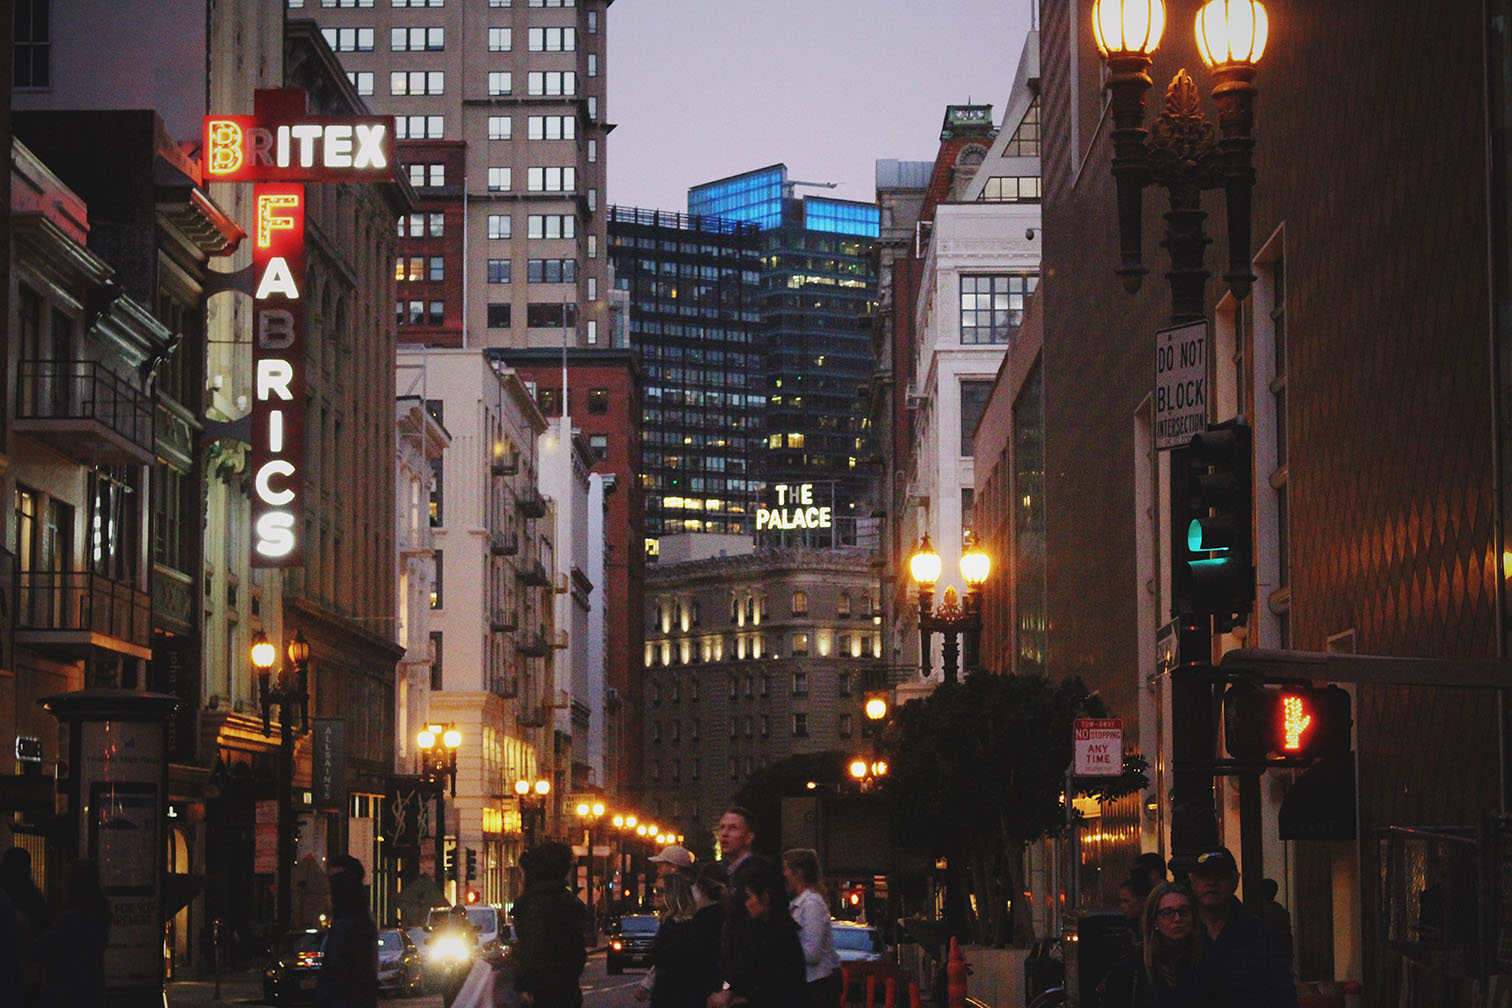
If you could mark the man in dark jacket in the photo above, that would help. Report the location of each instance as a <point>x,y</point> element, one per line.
<point>348,976</point>
<point>739,944</point>
<point>1244,951</point>
<point>549,923</point>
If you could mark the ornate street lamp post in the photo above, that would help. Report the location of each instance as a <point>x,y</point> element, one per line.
<point>588,814</point>
<point>951,618</point>
<point>532,795</point>
<point>1185,156</point>
<point>438,754</point>
<point>291,697</point>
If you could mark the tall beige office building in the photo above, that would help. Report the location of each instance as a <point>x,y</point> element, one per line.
<point>500,113</point>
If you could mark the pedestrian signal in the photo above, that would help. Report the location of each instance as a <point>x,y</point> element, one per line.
<point>1262,722</point>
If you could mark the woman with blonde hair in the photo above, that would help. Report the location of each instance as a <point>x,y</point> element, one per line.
<point>810,908</point>
<point>686,953</point>
<point>1169,971</point>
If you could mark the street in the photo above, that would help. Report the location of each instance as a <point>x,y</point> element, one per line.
<point>599,990</point>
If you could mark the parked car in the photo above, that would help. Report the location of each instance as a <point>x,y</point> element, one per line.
<point>399,967</point>
<point>857,942</point>
<point>293,967</point>
<point>487,922</point>
<point>632,945</point>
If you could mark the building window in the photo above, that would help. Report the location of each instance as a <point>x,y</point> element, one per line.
<point>417,82</point>
<point>349,39</point>
<point>500,82</point>
<point>800,724</point>
<point>598,445</point>
<point>500,127</point>
<point>549,226</point>
<point>800,644</point>
<point>437,500</point>
<point>592,288</point>
<point>553,3</point>
<point>498,315</point>
<point>362,81</point>
<point>499,226</point>
<point>499,179</point>
<point>427,176</point>
<point>800,679</point>
<point>592,331</point>
<point>552,39</point>
<point>843,726</point>
<point>1011,189</point>
<point>800,603</point>
<point>498,271</point>
<point>420,127</point>
<point>593,64</point>
<point>552,83</point>
<point>397,3</point>
<point>992,306</point>
<point>551,271</point>
<point>417,39</point>
<point>435,268</point>
<point>31,48</point>
<point>974,396</point>
<point>435,595</point>
<point>551,128</point>
<point>593,22</point>
<point>843,605</point>
<point>438,681</point>
<point>550,314</point>
<point>551,179</point>
<point>500,39</point>
<point>421,225</point>
<point>598,400</point>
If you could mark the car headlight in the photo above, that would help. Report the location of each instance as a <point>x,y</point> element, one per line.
<point>447,947</point>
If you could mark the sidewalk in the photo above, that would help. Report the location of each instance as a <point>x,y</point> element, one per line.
<point>242,988</point>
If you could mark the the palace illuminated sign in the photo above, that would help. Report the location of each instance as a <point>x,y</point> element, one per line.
<point>795,510</point>
<point>279,146</point>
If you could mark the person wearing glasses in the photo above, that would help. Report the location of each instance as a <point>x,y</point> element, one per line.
<point>1170,969</point>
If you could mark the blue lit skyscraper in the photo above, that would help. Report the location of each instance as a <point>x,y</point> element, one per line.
<point>817,288</point>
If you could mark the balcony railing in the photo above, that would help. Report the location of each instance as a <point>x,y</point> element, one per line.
<point>531,503</point>
<point>532,643</point>
<point>84,410</point>
<point>503,620</point>
<point>73,604</point>
<point>504,543</point>
<point>534,574</point>
<point>505,465</point>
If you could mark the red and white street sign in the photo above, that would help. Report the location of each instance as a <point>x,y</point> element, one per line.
<point>1098,747</point>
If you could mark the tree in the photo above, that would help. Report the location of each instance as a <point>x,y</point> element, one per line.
<point>977,770</point>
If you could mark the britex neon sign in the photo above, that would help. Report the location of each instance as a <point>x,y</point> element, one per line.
<point>278,147</point>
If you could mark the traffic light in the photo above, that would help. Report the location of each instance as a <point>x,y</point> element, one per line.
<point>472,864</point>
<point>472,896</point>
<point>1212,548</point>
<point>1297,722</point>
<point>451,863</point>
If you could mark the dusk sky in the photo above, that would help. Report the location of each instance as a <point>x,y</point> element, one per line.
<point>702,89</point>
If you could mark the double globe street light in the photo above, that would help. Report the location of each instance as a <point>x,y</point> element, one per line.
<point>952,618</point>
<point>1183,155</point>
<point>291,697</point>
<point>438,755</point>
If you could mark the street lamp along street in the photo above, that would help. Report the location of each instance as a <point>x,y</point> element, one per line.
<point>950,619</point>
<point>1184,156</point>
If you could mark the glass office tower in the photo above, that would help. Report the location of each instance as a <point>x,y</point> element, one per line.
<point>696,333</point>
<point>817,288</point>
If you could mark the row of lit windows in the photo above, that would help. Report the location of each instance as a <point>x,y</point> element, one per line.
<point>550,178</point>
<point>685,614</point>
<point>751,647</point>
<point>412,313</point>
<point>368,4</point>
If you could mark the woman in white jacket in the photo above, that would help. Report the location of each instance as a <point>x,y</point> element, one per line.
<point>810,908</point>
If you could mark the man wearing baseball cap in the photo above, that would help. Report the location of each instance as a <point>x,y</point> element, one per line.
<point>1245,951</point>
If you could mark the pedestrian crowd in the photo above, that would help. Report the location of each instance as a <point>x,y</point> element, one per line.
<point>1197,945</point>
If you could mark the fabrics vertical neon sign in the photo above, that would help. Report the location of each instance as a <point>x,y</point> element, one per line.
<point>279,147</point>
